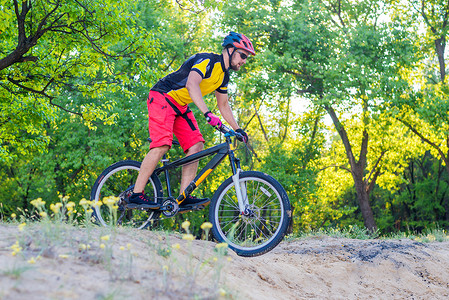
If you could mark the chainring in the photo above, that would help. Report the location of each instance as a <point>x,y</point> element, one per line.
<point>169,208</point>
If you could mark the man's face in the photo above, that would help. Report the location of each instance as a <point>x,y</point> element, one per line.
<point>239,59</point>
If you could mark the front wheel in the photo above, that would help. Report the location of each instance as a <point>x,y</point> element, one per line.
<point>111,191</point>
<point>267,220</point>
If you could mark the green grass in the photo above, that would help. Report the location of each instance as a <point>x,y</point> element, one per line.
<point>351,232</point>
<point>360,233</point>
<point>16,271</point>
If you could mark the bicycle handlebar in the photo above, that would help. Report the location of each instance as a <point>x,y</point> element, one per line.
<point>226,130</point>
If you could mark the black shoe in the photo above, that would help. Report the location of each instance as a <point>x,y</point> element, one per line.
<point>140,200</point>
<point>194,203</point>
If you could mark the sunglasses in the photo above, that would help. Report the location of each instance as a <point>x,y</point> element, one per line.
<point>242,55</point>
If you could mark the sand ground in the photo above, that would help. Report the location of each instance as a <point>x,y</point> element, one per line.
<point>136,264</point>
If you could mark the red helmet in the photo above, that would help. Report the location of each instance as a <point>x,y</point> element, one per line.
<point>238,40</point>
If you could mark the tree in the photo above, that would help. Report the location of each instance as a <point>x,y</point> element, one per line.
<point>396,145</point>
<point>48,48</point>
<point>423,106</point>
<point>82,145</point>
<point>340,55</point>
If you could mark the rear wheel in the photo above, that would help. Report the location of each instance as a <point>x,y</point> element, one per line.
<point>111,191</point>
<point>267,218</point>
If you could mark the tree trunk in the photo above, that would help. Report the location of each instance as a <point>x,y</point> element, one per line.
<point>363,198</point>
<point>440,45</point>
<point>357,170</point>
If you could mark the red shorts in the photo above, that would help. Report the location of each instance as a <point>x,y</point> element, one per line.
<point>166,117</point>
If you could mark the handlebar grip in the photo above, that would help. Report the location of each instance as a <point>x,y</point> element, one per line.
<point>239,136</point>
<point>224,129</point>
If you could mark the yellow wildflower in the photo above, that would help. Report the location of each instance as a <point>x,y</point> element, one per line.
<point>56,208</point>
<point>165,268</point>
<point>32,260</point>
<point>16,248</point>
<point>110,200</point>
<point>176,246</point>
<point>70,205</point>
<point>21,226</point>
<point>222,292</point>
<point>188,237</point>
<point>185,225</point>
<point>98,203</point>
<point>13,215</point>
<point>82,247</point>
<point>221,245</point>
<point>102,246</point>
<point>84,202</point>
<point>63,256</point>
<point>122,248</point>
<point>43,214</point>
<point>128,246</point>
<point>105,237</point>
<point>206,225</point>
<point>38,202</point>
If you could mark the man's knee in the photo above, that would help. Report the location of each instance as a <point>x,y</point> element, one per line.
<point>159,151</point>
<point>195,148</point>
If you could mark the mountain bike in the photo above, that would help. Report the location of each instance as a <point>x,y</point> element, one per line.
<point>250,211</point>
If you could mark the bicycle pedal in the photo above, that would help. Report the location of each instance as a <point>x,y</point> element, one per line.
<point>191,208</point>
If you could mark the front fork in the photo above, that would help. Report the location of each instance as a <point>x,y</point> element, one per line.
<point>240,187</point>
<point>240,190</point>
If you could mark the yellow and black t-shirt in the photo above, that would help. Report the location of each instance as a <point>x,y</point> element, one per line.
<point>211,68</point>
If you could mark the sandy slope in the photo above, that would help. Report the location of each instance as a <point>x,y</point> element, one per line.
<point>312,268</point>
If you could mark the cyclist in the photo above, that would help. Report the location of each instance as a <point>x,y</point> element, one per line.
<point>169,113</point>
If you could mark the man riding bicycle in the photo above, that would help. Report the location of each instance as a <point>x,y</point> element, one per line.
<point>169,113</point>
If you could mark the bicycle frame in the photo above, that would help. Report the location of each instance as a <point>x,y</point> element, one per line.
<point>220,152</point>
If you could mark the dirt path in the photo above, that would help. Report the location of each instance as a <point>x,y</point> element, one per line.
<point>329,268</point>
<point>312,268</point>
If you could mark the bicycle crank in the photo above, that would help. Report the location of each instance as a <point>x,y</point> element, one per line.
<point>169,208</point>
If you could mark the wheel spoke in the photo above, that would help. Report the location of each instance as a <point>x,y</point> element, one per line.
<point>225,224</point>
<point>263,227</point>
<point>118,181</point>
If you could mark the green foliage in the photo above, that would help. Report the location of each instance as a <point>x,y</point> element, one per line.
<point>344,60</point>
<point>103,118</point>
<point>65,47</point>
<point>422,200</point>
<point>291,163</point>
<point>75,101</point>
